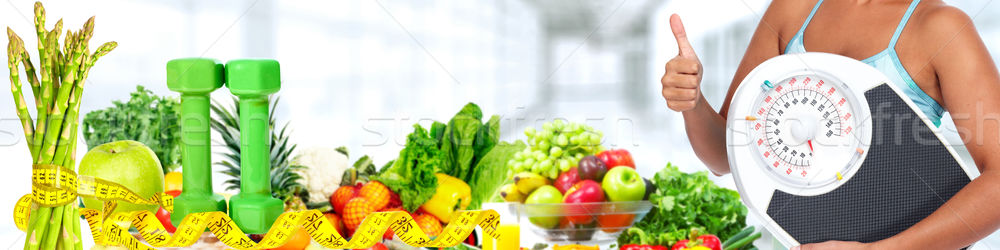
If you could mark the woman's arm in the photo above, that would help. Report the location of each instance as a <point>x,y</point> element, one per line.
<point>706,128</point>
<point>970,87</point>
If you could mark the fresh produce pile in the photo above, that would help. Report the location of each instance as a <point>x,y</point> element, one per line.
<point>698,241</point>
<point>565,164</point>
<point>686,202</point>
<point>57,88</point>
<point>453,166</point>
<point>159,128</point>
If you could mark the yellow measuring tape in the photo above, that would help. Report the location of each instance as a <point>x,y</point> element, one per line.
<point>56,185</point>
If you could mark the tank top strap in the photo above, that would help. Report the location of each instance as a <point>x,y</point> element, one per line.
<point>902,24</point>
<point>802,30</point>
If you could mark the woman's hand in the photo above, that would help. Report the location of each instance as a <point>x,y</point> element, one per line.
<point>682,79</point>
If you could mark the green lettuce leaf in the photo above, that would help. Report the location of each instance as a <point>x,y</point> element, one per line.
<point>411,176</point>
<point>491,173</point>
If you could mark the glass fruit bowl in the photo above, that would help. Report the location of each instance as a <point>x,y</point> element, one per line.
<point>577,222</point>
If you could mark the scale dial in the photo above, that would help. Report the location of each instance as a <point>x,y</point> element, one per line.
<point>804,128</point>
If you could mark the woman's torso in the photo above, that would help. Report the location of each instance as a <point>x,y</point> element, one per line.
<point>883,35</point>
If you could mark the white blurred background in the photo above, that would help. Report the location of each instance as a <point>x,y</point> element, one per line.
<point>359,73</point>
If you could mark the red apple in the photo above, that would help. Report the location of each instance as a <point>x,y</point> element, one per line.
<point>616,158</point>
<point>585,191</point>
<point>566,180</point>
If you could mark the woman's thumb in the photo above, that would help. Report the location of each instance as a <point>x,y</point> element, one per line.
<point>683,46</point>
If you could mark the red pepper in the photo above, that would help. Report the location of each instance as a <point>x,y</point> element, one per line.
<point>680,245</point>
<point>616,157</point>
<point>642,247</point>
<point>710,241</point>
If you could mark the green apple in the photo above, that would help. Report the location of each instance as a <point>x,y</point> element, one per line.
<point>541,215</point>
<point>128,163</point>
<point>623,184</point>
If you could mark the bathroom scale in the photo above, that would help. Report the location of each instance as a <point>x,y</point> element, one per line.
<point>824,147</point>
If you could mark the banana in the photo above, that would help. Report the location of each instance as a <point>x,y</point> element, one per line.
<point>527,182</point>
<point>510,193</point>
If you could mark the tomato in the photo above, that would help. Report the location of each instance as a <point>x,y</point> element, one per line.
<point>710,241</point>
<point>613,223</point>
<point>173,193</point>
<point>616,158</point>
<point>164,217</point>
<point>300,240</point>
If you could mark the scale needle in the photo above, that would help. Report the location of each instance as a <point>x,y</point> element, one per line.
<point>810,145</point>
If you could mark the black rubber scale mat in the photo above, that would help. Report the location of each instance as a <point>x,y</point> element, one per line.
<point>906,176</point>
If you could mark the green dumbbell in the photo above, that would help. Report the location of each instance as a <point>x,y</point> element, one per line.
<point>253,80</point>
<point>195,79</point>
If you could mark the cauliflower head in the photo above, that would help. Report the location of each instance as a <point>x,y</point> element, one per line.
<point>323,169</point>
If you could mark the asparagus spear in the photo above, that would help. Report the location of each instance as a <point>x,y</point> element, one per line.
<point>50,84</point>
<point>70,79</point>
<point>29,68</point>
<point>14,54</point>
<point>52,230</point>
<point>67,238</point>
<point>78,245</point>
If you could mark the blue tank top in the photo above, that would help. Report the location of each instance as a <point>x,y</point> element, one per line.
<point>886,62</point>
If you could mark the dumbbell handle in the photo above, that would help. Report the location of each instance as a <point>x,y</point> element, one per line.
<point>196,153</point>
<point>255,154</point>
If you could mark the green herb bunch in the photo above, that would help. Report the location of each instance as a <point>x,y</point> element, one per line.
<point>684,201</point>
<point>146,118</point>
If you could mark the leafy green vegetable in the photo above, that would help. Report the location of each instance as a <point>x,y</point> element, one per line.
<point>491,173</point>
<point>464,128</point>
<point>465,140</point>
<point>412,174</point>
<point>486,138</point>
<point>147,118</point>
<point>683,201</point>
<point>459,148</point>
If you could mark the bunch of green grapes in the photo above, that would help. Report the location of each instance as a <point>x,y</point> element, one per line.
<point>556,148</point>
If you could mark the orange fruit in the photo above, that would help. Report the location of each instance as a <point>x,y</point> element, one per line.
<point>341,196</point>
<point>173,181</point>
<point>376,193</point>
<point>355,212</point>
<point>299,240</point>
<point>337,223</point>
<point>429,224</point>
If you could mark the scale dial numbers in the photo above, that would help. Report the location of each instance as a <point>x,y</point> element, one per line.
<point>804,129</point>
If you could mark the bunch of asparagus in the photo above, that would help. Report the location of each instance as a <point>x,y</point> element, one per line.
<point>57,89</point>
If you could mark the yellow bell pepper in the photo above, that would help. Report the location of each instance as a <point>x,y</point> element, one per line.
<point>452,195</point>
<point>575,247</point>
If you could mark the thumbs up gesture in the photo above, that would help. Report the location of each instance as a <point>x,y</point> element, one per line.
<point>682,79</point>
